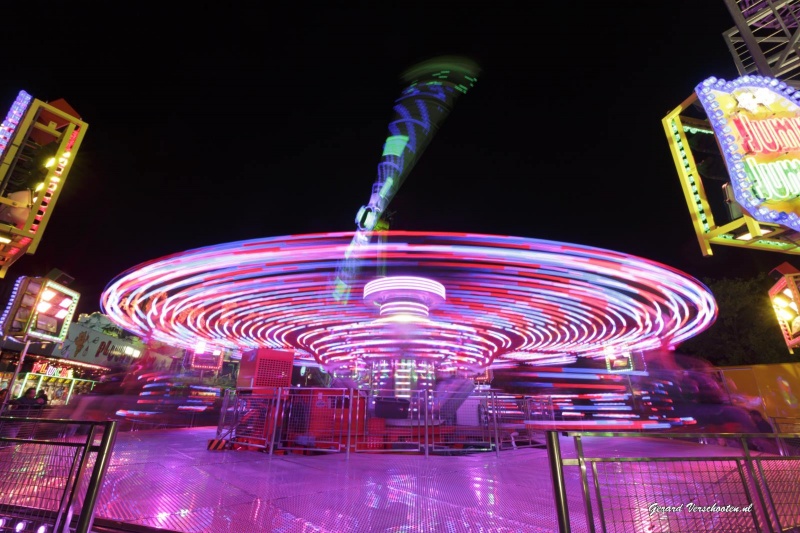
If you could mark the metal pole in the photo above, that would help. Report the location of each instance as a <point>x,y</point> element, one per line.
<point>495,407</point>
<point>101,462</point>
<point>425,399</point>
<point>559,486</point>
<point>10,389</point>
<point>757,55</point>
<point>353,407</point>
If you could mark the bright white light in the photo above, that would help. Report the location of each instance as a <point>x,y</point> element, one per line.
<point>780,301</point>
<point>48,295</point>
<point>404,283</point>
<point>62,313</point>
<point>43,306</point>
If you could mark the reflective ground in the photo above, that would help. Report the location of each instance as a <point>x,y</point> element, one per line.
<point>168,479</point>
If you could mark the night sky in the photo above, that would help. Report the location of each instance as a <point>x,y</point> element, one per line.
<point>225,124</point>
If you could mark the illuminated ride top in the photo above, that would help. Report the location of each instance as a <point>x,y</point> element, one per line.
<point>456,300</point>
<point>38,145</point>
<point>433,87</point>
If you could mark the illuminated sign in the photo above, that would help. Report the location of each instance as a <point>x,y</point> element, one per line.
<point>39,308</point>
<point>53,371</point>
<point>756,121</point>
<point>621,362</point>
<point>207,360</point>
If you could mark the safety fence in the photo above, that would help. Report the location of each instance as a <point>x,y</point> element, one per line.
<point>51,471</point>
<point>107,407</point>
<point>305,420</point>
<point>721,488</point>
<point>789,445</point>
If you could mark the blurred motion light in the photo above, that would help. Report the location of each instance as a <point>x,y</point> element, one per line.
<point>507,299</point>
<point>785,296</point>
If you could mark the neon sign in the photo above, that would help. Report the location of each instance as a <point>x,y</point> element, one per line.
<point>54,371</point>
<point>756,121</point>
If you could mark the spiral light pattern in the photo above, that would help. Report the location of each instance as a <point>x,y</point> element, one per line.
<point>508,298</point>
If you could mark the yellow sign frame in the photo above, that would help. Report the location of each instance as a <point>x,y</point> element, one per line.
<point>743,232</point>
<point>16,241</point>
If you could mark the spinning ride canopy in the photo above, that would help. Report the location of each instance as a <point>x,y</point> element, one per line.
<point>457,299</point>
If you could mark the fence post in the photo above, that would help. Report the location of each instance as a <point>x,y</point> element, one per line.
<point>557,475</point>
<point>493,402</point>
<point>275,415</point>
<point>353,407</point>
<point>101,463</point>
<point>425,414</point>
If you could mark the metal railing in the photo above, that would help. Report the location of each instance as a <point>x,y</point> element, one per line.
<point>324,420</point>
<point>720,489</point>
<point>51,470</point>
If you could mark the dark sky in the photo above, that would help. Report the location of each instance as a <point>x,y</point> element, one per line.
<point>229,123</point>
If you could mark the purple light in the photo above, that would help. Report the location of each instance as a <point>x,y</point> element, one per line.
<point>15,114</point>
<point>404,297</point>
<point>508,299</point>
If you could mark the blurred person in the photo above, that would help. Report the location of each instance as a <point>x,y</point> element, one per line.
<point>27,399</point>
<point>26,402</point>
<point>42,398</point>
<point>763,426</point>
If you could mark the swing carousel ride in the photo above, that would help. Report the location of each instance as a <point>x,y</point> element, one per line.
<point>447,301</point>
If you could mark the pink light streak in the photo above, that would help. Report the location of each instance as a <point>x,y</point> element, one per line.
<point>505,296</point>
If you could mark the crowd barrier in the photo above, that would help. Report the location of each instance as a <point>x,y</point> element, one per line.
<point>720,489</point>
<point>51,471</point>
<point>325,420</point>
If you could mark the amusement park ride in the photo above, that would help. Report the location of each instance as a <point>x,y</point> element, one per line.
<point>423,106</point>
<point>428,304</point>
<point>391,305</point>
<point>736,147</point>
<point>38,145</point>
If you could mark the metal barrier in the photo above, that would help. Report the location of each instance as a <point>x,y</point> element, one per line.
<point>315,420</point>
<point>323,420</point>
<point>725,489</point>
<point>48,469</point>
<point>248,421</point>
<point>789,445</point>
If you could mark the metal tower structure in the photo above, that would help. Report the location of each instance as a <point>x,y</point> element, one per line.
<point>765,38</point>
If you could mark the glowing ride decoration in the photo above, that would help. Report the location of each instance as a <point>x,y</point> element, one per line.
<point>785,295</point>
<point>734,147</point>
<point>404,298</point>
<point>505,296</point>
<point>30,130</point>
<point>39,308</point>
<point>757,123</point>
<point>432,90</point>
<point>12,120</point>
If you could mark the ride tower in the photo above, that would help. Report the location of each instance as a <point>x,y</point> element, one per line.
<point>38,145</point>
